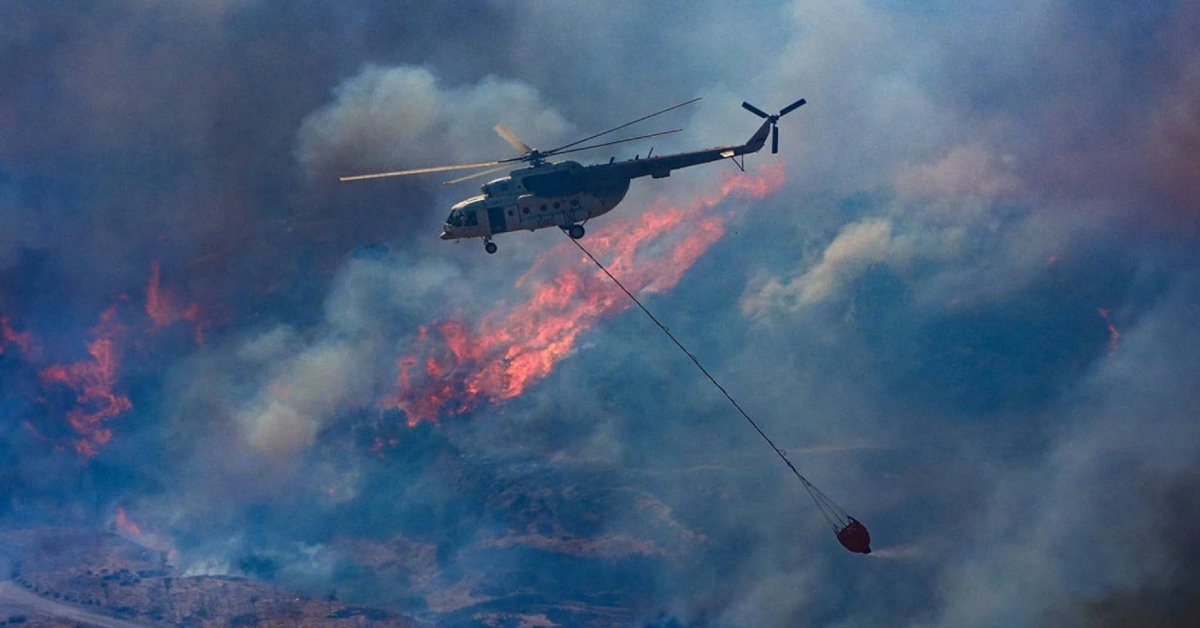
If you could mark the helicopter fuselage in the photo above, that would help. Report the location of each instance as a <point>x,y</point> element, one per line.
<point>545,195</point>
<point>566,193</point>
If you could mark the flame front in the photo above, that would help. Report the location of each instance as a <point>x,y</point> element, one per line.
<point>22,341</point>
<point>92,382</point>
<point>455,366</point>
<point>1114,336</point>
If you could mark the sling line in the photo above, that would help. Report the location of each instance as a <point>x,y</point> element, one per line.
<point>832,512</point>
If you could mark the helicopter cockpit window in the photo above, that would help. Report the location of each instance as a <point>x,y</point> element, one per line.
<point>466,218</point>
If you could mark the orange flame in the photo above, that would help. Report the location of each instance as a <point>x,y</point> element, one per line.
<point>93,381</point>
<point>22,341</point>
<point>514,346</point>
<point>1113,335</point>
<point>162,310</point>
<point>126,525</point>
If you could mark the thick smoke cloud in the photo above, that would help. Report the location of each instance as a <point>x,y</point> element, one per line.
<point>1089,520</point>
<point>379,116</point>
<point>303,380</point>
<point>968,315</point>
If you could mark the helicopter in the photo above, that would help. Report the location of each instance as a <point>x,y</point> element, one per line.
<point>566,194</point>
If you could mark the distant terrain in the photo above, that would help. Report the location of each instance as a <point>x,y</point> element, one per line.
<point>54,576</point>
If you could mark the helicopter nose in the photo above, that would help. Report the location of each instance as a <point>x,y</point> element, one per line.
<point>446,235</point>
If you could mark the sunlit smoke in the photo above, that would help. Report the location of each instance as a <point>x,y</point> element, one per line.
<point>162,310</point>
<point>92,381</point>
<point>456,365</point>
<point>1114,336</point>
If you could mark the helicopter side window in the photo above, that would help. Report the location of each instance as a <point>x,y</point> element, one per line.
<point>471,219</point>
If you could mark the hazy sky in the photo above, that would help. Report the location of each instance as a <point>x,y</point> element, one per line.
<point>964,298</point>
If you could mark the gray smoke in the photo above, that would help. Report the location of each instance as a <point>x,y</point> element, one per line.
<point>915,316</point>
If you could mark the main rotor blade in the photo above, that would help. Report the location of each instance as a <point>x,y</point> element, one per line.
<point>628,139</point>
<point>775,139</point>
<point>477,174</point>
<point>398,173</point>
<point>754,110</point>
<point>512,138</point>
<point>785,110</point>
<point>617,128</point>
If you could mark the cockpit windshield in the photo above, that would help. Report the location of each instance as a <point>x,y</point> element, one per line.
<point>462,218</point>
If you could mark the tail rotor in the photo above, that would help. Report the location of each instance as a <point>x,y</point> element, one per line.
<point>755,110</point>
<point>773,119</point>
<point>788,109</point>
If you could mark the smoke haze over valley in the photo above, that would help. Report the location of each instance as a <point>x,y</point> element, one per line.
<point>963,298</point>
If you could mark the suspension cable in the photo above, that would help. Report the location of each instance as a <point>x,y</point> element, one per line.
<point>832,512</point>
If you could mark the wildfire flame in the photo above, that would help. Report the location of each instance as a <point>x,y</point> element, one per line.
<point>1114,336</point>
<point>147,538</point>
<point>161,309</point>
<point>456,366</point>
<point>92,381</point>
<point>125,524</point>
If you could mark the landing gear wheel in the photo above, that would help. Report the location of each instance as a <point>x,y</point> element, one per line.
<point>490,247</point>
<point>575,231</point>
